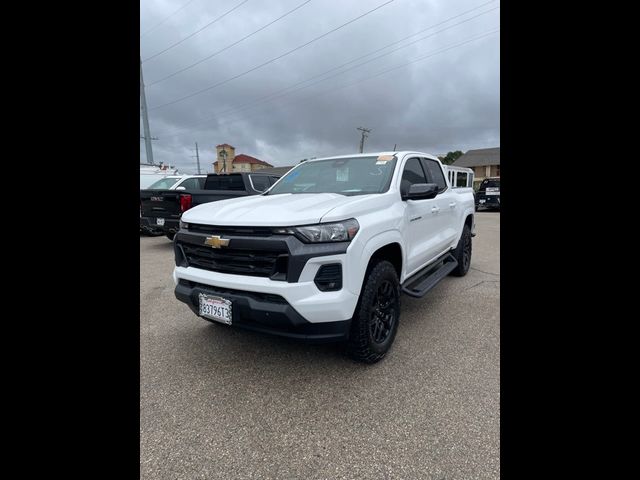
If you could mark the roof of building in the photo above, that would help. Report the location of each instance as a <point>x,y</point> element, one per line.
<point>242,158</point>
<point>479,158</point>
<point>225,145</point>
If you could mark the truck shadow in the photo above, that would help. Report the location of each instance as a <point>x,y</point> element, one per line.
<point>161,246</point>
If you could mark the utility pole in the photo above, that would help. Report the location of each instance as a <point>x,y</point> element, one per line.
<point>197,158</point>
<point>364,135</point>
<point>394,146</point>
<point>145,119</point>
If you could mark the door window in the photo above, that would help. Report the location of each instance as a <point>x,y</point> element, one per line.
<point>434,172</point>
<point>412,174</point>
<point>191,184</point>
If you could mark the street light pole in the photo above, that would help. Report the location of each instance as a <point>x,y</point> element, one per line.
<point>145,119</point>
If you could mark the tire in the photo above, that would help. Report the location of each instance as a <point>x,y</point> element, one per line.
<point>170,236</point>
<point>375,322</point>
<point>462,253</point>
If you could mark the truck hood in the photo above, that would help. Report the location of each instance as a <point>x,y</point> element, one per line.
<point>271,210</point>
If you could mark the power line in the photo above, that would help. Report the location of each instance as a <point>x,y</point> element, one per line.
<point>288,90</point>
<point>335,68</point>
<point>195,33</point>
<point>271,60</point>
<point>228,46</point>
<point>165,19</point>
<point>369,77</point>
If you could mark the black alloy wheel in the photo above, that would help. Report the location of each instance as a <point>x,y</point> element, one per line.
<point>383,312</point>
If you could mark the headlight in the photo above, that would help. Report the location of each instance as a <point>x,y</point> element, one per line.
<point>328,232</point>
<point>183,225</point>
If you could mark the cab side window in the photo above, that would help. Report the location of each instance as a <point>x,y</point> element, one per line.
<point>191,184</point>
<point>434,172</point>
<point>413,173</point>
<point>260,182</point>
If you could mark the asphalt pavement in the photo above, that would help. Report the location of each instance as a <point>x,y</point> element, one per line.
<point>219,403</point>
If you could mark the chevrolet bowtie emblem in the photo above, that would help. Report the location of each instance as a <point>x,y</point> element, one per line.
<point>216,242</point>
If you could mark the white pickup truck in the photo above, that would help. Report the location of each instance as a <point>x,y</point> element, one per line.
<point>326,252</point>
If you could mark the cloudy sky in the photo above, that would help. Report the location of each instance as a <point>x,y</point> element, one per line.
<point>421,74</point>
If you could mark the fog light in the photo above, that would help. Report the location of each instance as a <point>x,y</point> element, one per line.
<point>329,277</point>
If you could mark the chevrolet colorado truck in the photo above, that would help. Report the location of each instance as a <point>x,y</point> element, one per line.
<point>161,208</point>
<point>327,251</point>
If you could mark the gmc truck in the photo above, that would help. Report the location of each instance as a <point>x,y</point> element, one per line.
<point>161,209</point>
<point>326,252</point>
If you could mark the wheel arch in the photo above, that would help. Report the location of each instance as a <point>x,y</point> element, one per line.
<point>388,245</point>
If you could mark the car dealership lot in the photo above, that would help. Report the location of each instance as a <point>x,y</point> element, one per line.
<point>222,403</point>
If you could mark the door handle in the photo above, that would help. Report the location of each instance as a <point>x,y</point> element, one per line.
<point>452,205</point>
<point>435,209</point>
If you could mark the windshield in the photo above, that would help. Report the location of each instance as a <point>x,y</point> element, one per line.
<point>346,176</point>
<point>490,184</point>
<point>163,184</point>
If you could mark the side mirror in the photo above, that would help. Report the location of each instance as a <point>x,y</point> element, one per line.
<point>421,191</point>
<point>180,188</point>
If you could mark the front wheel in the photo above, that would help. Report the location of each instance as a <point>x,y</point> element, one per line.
<point>375,322</point>
<point>170,236</point>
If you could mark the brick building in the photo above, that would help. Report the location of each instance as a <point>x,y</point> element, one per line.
<point>228,162</point>
<point>485,163</point>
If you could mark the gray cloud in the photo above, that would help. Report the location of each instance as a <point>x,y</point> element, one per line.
<point>450,101</point>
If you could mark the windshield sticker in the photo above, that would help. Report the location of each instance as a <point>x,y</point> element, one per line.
<point>342,174</point>
<point>383,159</point>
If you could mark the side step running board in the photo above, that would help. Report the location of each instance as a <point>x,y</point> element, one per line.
<point>421,283</point>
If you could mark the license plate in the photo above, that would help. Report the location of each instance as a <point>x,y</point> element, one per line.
<point>160,221</point>
<point>216,308</point>
<point>482,201</point>
<point>492,193</point>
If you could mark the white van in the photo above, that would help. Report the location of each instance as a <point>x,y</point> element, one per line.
<point>152,173</point>
<point>459,177</point>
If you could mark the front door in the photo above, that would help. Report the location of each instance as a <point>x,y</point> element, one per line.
<point>447,203</point>
<point>422,222</point>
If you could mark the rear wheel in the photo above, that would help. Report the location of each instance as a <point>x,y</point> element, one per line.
<point>375,322</point>
<point>462,253</point>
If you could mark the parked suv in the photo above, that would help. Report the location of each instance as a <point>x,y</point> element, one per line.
<point>488,194</point>
<point>325,253</point>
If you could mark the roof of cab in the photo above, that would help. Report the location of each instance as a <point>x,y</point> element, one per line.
<point>375,154</point>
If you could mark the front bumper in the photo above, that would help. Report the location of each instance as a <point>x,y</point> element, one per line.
<point>265,313</point>
<point>298,289</point>
<point>490,201</point>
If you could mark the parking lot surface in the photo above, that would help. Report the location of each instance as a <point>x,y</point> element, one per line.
<point>222,403</point>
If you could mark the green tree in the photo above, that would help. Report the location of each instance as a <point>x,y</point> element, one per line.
<point>451,157</point>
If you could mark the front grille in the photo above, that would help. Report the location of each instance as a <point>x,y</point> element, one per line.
<point>243,231</point>
<point>257,263</point>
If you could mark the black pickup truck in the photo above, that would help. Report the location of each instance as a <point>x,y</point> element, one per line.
<point>160,210</point>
